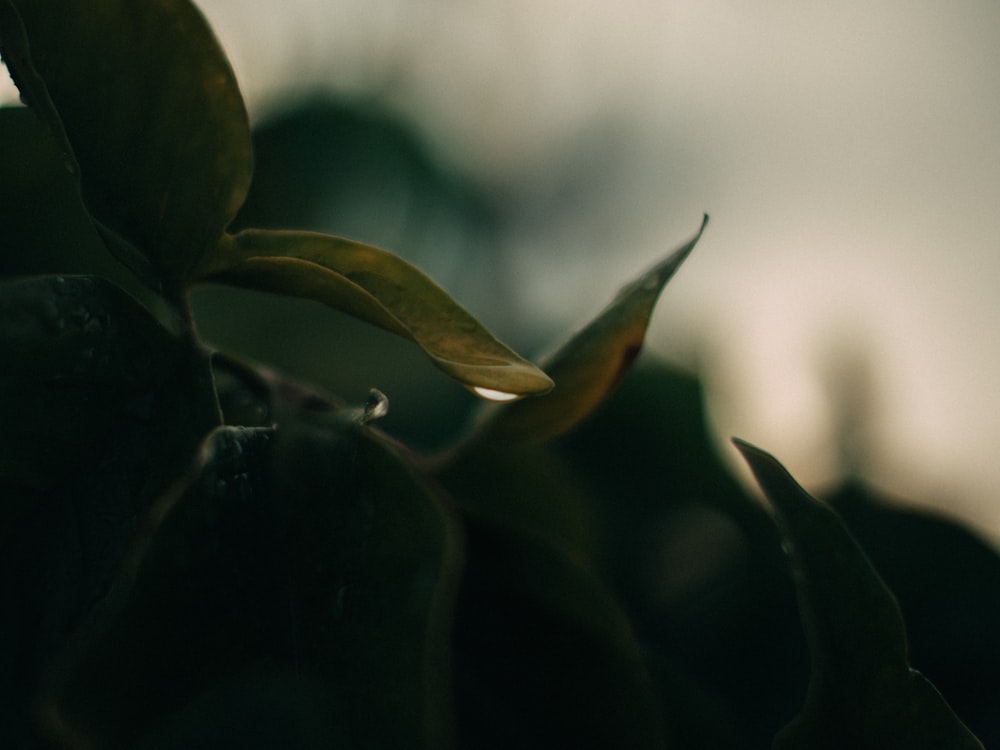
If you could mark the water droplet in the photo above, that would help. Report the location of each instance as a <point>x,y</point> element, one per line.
<point>376,407</point>
<point>652,283</point>
<point>491,395</point>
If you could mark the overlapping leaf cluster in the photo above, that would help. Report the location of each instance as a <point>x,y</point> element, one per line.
<point>200,552</point>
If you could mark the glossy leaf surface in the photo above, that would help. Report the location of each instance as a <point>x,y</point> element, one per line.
<point>862,691</point>
<point>588,367</point>
<point>152,112</point>
<point>380,288</point>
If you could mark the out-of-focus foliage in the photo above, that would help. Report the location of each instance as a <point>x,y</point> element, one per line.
<point>862,691</point>
<point>197,550</point>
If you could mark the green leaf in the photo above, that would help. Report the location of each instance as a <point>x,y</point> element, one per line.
<point>313,557</point>
<point>189,605</point>
<point>588,367</point>
<point>152,113</point>
<point>545,657</point>
<point>380,288</point>
<point>16,52</point>
<point>862,691</point>
<point>528,488</point>
<point>375,571</point>
<point>45,227</point>
<point>78,351</point>
<point>102,407</point>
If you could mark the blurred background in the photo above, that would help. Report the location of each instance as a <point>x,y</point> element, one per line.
<point>533,157</point>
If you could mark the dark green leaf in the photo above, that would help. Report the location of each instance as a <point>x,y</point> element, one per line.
<point>374,577</point>
<point>152,112</point>
<point>45,227</point>
<point>544,655</point>
<point>380,288</point>
<point>78,350</point>
<point>102,408</point>
<point>588,367</point>
<point>16,52</point>
<point>862,692</point>
<point>195,597</point>
<point>314,558</point>
<point>947,581</point>
<point>526,488</point>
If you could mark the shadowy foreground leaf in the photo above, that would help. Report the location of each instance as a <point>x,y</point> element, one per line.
<point>862,691</point>
<point>77,351</point>
<point>45,228</point>
<point>380,288</point>
<point>151,112</point>
<point>308,563</point>
<point>545,657</point>
<point>591,364</point>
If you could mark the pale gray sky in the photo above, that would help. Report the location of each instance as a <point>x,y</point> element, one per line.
<point>849,155</point>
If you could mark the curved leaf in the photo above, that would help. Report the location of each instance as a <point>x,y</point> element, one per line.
<point>189,604</point>
<point>380,288</point>
<point>45,228</point>
<point>545,656</point>
<point>102,407</point>
<point>374,572</point>
<point>151,111</point>
<point>313,556</point>
<point>862,692</point>
<point>588,367</point>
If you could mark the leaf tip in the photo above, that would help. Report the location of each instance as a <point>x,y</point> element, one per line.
<point>749,451</point>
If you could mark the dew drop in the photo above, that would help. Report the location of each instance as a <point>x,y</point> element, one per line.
<point>376,407</point>
<point>652,283</point>
<point>491,395</point>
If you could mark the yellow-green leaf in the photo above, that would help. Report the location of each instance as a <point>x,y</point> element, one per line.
<point>588,367</point>
<point>862,691</point>
<point>380,288</point>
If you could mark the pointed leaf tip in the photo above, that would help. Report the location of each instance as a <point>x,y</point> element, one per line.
<point>862,691</point>
<point>380,288</point>
<point>592,363</point>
